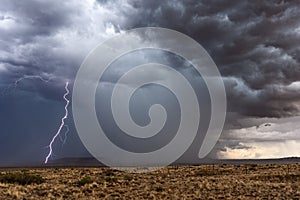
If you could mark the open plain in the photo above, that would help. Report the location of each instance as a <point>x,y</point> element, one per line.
<point>249,181</point>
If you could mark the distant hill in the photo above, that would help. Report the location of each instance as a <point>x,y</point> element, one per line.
<point>288,160</point>
<point>76,162</point>
<point>92,162</point>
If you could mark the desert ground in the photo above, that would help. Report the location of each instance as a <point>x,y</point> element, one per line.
<point>251,181</point>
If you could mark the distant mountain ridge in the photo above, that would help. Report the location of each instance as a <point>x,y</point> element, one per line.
<point>92,162</point>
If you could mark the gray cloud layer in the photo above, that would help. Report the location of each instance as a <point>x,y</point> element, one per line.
<point>255,44</point>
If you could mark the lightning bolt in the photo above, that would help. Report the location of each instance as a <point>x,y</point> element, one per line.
<point>61,125</point>
<point>15,84</point>
<point>63,140</point>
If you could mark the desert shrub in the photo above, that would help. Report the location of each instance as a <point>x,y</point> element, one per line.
<point>109,172</point>
<point>84,180</point>
<point>206,173</point>
<point>108,176</point>
<point>101,180</point>
<point>110,179</point>
<point>159,189</point>
<point>128,177</point>
<point>107,179</point>
<point>22,178</point>
<point>252,167</point>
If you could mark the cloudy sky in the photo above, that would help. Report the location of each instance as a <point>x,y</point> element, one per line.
<point>255,45</point>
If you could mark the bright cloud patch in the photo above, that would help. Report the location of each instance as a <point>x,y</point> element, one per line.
<point>262,150</point>
<point>278,138</point>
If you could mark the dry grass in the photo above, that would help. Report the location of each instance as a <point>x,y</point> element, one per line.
<point>185,182</point>
<point>21,178</point>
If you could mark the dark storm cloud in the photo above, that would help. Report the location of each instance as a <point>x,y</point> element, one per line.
<point>47,39</point>
<point>35,18</point>
<point>26,44</point>
<point>254,43</point>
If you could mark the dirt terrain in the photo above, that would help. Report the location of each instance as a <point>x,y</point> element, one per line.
<point>268,181</point>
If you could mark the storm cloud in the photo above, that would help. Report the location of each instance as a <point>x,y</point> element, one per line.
<point>255,45</point>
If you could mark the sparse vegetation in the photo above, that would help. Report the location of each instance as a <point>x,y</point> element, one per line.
<point>109,172</point>
<point>111,179</point>
<point>181,182</point>
<point>22,178</point>
<point>85,180</point>
<point>127,177</point>
<point>108,176</point>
